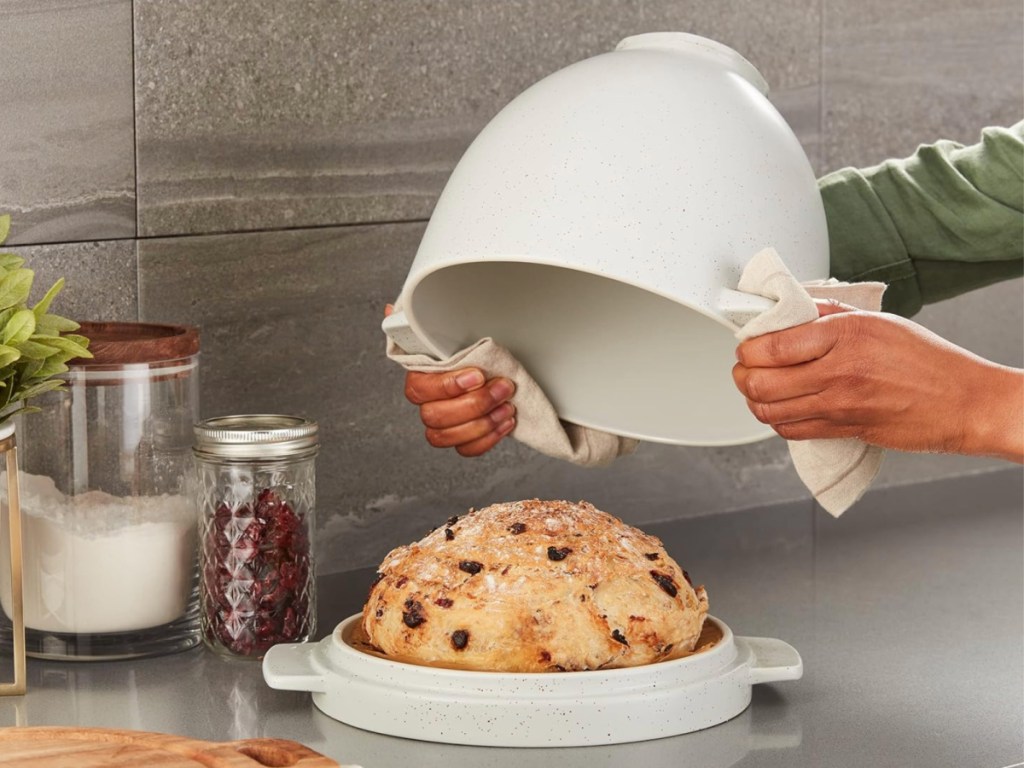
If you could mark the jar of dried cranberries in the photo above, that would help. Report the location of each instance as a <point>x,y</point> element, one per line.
<point>256,491</point>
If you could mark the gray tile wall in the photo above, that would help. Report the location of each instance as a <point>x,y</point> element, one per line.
<point>265,170</point>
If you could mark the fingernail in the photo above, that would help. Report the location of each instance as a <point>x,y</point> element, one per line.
<point>506,426</point>
<point>502,389</point>
<point>502,412</point>
<point>469,379</point>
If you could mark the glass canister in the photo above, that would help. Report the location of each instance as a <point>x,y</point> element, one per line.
<point>108,526</point>
<point>256,493</point>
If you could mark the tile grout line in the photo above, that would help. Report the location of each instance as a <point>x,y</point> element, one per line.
<point>822,143</point>
<point>221,233</point>
<point>135,165</point>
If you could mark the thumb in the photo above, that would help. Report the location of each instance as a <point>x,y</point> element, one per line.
<point>832,307</point>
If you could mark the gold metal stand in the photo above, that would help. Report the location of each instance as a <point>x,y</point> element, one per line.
<point>16,688</point>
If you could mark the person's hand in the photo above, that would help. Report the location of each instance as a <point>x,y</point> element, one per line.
<point>462,409</point>
<point>885,380</point>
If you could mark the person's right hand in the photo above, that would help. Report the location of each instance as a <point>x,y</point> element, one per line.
<point>462,409</point>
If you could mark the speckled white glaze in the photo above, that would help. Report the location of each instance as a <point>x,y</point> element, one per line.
<point>593,224</point>
<point>530,709</point>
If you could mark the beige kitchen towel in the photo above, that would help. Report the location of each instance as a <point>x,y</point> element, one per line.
<point>837,472</point>
<point>537,422</point>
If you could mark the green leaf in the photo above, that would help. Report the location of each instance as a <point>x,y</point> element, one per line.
<point>5,226</point>
<point>8,355</point>
<point>51,367</point>
<point>29,368</point>
<point>21,325</point>
<point>24,409</point>
<point>43,305</point>
<point>33,350</point>
<point>71,345</point>
<point>54,325</point>
<point>15,287</point>
<point>9,261</point>
<point>38,389</point>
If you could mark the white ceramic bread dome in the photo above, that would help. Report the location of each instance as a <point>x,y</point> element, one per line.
<point>591,227</point>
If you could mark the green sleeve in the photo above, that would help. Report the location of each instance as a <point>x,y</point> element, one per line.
<point>940,223</point>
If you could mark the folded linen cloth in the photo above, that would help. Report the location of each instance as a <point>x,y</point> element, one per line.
<point>837,472</point>
<point>537,422</point>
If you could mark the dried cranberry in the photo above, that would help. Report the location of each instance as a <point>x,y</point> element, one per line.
<point>460,639</point>
<point>619,637</point>
<point>472,567</point>
<point>666,583</point>
<point>687,577</point>
<point>379,612</point>
<point>256,575</point>
<point>452,520</point>
<point>545,656</point>
<point>402,581</point>
<point>558,553</point>
<point>444,602</point>
<point>449,534</point>
<point>517,528</point>
<point>413,614</point>
<point>652,555</point>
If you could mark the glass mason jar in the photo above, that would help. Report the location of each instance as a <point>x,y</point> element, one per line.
<point>109,529</point>
<point>256,491</point>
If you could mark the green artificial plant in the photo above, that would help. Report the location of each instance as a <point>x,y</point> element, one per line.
<point>35,345</point>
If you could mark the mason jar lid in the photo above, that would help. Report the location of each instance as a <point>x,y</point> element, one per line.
<point>255,436</point>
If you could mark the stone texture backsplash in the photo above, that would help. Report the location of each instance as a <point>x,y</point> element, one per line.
<point>265,170</point>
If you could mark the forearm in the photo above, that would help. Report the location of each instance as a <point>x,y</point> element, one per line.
<point>942,222</point>
<point>994,411</point>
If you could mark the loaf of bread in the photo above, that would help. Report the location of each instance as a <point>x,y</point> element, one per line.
<point>534,586</point>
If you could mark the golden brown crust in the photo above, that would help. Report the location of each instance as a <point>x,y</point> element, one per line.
<point>534,586</point>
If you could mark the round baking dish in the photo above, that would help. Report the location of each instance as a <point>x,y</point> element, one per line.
<point>501,709</point>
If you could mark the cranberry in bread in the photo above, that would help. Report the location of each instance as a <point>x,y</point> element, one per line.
<point>534,586</point>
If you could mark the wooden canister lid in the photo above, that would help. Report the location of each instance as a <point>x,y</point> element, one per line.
<point>126,343</point>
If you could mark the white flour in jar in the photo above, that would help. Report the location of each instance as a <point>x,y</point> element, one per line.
<point>96,563</point>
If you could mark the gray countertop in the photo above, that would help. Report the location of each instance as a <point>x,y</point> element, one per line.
<point>908,613</point>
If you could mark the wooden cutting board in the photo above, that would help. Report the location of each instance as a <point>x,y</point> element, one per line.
<point>58,747</point>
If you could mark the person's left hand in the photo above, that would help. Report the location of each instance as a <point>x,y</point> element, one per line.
<point>885,380</point>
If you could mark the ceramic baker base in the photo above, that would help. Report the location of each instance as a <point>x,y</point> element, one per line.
<point>530,709</point>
